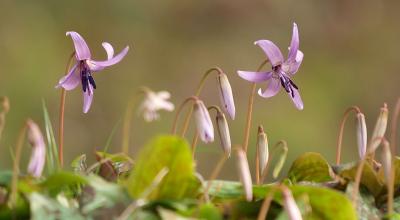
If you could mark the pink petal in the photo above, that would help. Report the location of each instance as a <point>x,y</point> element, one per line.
<point>71,80</point>
<point>272,51</point>
<point>296,99</point>
<point>87,98</point>
<point>255,76</point>
<point>272,89</point>
<point>109,49</point>
<point>293,67</point>
<point>81,48</point>
<point>294,44</point>
<point>111,61</point>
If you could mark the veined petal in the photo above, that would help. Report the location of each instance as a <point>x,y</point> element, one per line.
<point>71,80</point>
<point>273,53</point>
<point>255,76</point>
<point>111,61</point>
<point>87,98</point>
<point>81,48</point>
<point>272,89</point>
<point>296,99</point>
<point>294,44</point>
<point>109,49</point>
<point>292,67</point>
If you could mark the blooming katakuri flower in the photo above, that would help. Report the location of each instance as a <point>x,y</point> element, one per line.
<point>85,66</point>
<point>154,102</point>
<point>282,70</point>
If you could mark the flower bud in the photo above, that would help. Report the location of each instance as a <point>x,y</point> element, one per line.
<point>38,155</point>
<point>361,135</point>
<point>5,104</point>
<point>244,173</point>
<point>281,161</point>
<point>203,122</point>
<point>262,149</point>
<point>386,157</point>
<point>223,131</point>
<point>380,128</point>
<point>290,205</point>
<point>225,94</point>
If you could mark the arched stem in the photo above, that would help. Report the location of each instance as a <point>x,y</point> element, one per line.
<point>281,144</point>
<point>14,181</point>
<point>340,137</point>
<point>126,129</point>
<point>174,125</point>
<point>393,133</point>
<point>250,110</point>
<point>194,142</point>
<point>62,112</point>
<point>197,93</point>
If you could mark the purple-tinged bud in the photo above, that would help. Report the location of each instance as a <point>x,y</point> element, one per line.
<point>244,173</point>
<point>361,135</point>
<point>281,161</point>
<point>226,95</point>
<point>290,205</point>
<point>224,134</point>
<point>38,155</point>
<point>262,148</point>
<point>203,122</point>
<point>380,128</point>
<point>386,157</point>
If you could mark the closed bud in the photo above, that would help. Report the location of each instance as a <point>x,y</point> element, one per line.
<point>361,135</point>
<point>203,122</point>
<point>38,155</point>
<point>226,95</point>
<point>380,128</point>
<point>262,148</point>
<point>386,157</point>
<point>244,173</point>
<point>290,205</point>
<point>223,131</point>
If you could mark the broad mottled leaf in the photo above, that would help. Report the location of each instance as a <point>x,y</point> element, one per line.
<point>366,208</point>
<point>209,212</point>
<point>164,152</point>
<point>310,167</point>
<point>62,180</point>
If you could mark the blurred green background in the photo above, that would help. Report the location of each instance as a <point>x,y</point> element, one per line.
<point>351,58</point>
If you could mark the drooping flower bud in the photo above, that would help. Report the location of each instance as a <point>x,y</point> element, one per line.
<point>361,135</point>
<point>290,205</point>
<point>244,173</point>
<point>281,161</point>
<point>203,122</point>
<point>38,155</point>
<point>380,128</point>
<point>262,148</point>
<point>386,157</point>
<point>224,134</point>
<point>226,95</point>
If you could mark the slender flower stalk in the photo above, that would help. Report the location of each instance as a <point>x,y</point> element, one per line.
<point>361,135</point>
<point>289,203</point>
<point>380,128</point>
<point>244,173</point>
<point>5,108</point>
<point>62,113</point>
<point>262,215</point>
<point>225,90</point>
<point>262,151</point>
<point>38,155</point>
<point>395,121</point>
<point>340,136</point>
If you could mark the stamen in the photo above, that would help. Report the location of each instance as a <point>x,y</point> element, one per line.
<point>84,80</point>
<point>294,85</point>
<point>91,81</point>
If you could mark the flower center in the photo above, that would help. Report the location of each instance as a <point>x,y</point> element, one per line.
<point>86,77</point>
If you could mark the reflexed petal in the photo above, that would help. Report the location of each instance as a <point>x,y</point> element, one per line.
<point>109,49</point>
<point>81,48</point>
<point>293,67</point>
<point>71,80</point>
<point>294,44</point>
<point>111,61</point>
<point>87,98</point>
<point>297,99</point>
<point>272,89</point>
<point>163,95</point>
<point>255,76</point>
<point>272,51</point>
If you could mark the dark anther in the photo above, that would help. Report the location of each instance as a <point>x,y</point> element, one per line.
<point>284,84</point>
<point>84,79</point>
<point>294,85</point>
<point>91,81</point>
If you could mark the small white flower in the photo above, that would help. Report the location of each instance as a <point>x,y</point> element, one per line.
<point>154,102</point>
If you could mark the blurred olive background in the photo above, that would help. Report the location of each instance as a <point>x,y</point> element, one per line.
<point>351,58</point>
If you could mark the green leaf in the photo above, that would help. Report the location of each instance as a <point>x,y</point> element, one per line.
<point>310,167</point>
<point>366,206</point>
<point>369,177</point>
<point>62,180</point>
<point>164,152</point>
<point>79,164</point>
<point>209,212</point>
<point>52,160</point>
<point>117,164</point>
